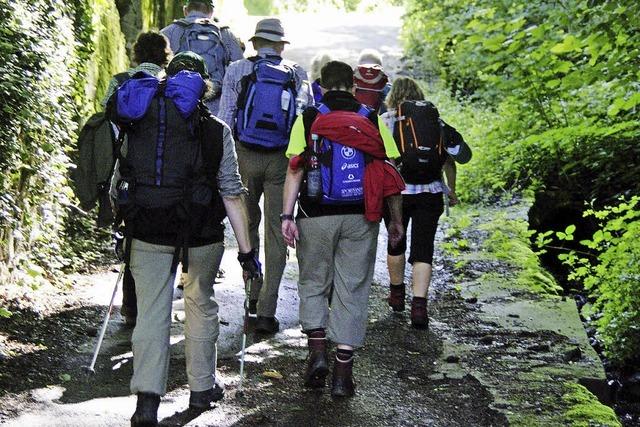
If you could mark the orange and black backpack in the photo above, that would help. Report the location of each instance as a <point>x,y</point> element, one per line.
<point>419,134</point>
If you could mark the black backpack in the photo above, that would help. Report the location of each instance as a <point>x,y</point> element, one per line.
<point>94,163</point>
<point>168,187</point>
<point>419,134</point>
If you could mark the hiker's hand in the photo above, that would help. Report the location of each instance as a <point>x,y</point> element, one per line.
<point>251,267</point>
<point>395,231</point>
<point>453,199</point>
<point>290,232</point>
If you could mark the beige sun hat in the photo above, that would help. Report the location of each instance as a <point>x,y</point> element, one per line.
<point>270,29</point>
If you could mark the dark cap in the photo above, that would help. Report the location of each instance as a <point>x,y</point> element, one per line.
<point>189,61</point>
<point>207,2</point>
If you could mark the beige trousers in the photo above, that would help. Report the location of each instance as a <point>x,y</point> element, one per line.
<point>338,251</point>
<point>263,172</point>
<point>151,269</point>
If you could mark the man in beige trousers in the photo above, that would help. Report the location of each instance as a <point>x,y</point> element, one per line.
<point>261,116</point>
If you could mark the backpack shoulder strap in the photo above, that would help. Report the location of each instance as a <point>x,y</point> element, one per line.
<point>323,109</point>
<point>184,23</point>
<point>122,77</point>
<point>364,111</point>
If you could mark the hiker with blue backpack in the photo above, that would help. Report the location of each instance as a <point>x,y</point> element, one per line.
<point>428,147</point>
<point>178,180</point>
<point>260,99</point>
<point>199,32</point>
<point>96,142</point>
<point>341,177</point>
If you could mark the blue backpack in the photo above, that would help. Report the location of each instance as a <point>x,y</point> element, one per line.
<point>168,186</point>
<point>342,168</point>
<point>266,105</point>
<point>202,36</point>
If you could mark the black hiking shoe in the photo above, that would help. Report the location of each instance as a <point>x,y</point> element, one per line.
<point>203,399</point>
<point>146,414</point>
<point>267,325</point>
<point>317,361</point>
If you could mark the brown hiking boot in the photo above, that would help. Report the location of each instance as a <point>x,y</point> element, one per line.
<point>343,385</point>
<point>317,361</point>
<point>396,297</point>
<point>419,317</point>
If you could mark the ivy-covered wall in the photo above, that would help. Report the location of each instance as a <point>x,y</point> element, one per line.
<point>57,58</point>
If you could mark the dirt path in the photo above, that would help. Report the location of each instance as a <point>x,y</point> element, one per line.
<point>456,374</point>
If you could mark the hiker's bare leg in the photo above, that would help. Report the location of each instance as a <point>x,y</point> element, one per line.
<point>395,265</point>
<point>421,279</point>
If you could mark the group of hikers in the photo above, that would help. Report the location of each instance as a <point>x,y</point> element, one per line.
<point>201,133</point>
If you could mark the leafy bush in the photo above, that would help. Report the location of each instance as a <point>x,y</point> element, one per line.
<point>562,81</point>
<point>613,278</point>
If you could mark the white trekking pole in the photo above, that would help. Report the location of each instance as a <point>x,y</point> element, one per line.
<point>105,322</point>
<point>245,327</point>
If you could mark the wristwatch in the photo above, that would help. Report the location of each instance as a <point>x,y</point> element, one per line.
<point>284,217</point>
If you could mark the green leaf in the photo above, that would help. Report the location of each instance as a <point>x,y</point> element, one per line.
<point>563,67</point>
<point>616,106</point>
<point>494,43</point>
<point>64,377</point>
<point>5,313</point>
<point>569,44</point>
<point>476,38</point>
<point>632,101</point>
<point>553,83</point>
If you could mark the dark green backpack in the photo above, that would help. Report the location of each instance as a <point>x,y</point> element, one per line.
<point>94,164</point>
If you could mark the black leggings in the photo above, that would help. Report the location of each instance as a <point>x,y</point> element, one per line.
<point>423,210</point>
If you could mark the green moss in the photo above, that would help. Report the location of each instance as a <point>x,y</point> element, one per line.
<point>159,13</point>
<point>109,56</point>
<point>509,241</point>
<point>585,410</point>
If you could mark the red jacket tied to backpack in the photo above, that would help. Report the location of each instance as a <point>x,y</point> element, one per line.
<point>381,178</point>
